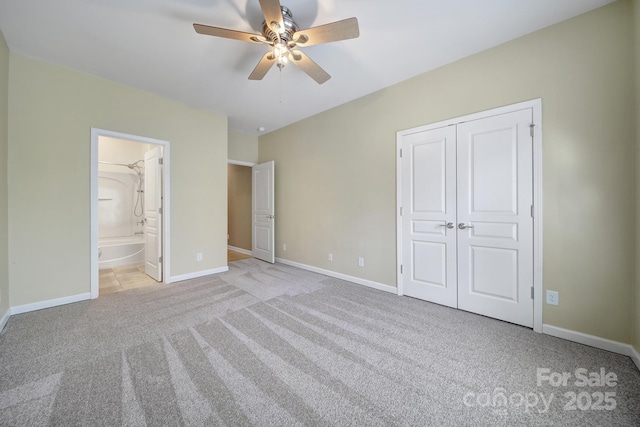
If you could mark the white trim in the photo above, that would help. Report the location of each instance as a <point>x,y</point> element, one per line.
<point>197,274</point>
<point>242,251</point>
<point>240,163</point>
<point>4,319</point>
<point>593,341</point>
<point>166,222</point>
<point>635,356</point>
<point>353,279</point>
<point>399,283</point>
<point>49,303</point>
<point>536,106</point>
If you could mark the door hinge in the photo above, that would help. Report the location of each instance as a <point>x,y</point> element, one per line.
<point>160,211</point>
<point>532,215</point>
<point>401,152</point>
<point>400,210</point>
<point>159,260</point>
<point>401,269</point>
<point>161,160</point>
<point>531,126</point>
<point>532,293</point>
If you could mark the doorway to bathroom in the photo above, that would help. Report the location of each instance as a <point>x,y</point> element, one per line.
<point>129,211</point>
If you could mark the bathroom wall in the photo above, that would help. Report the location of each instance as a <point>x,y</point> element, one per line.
<point>116,150</point>
<point>120,206</point>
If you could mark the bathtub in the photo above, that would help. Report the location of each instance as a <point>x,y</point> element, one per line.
<point>120,251</point>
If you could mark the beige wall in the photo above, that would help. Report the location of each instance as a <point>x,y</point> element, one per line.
<point>335,172</point>
<point>51,112</point>
<point>636,21</point>
<point>239,208</point>
<point>243,147</point>
<point>4,203</point>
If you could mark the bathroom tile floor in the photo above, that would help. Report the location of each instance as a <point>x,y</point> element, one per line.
<point>123,278</point>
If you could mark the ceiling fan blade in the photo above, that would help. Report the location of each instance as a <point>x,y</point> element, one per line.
<point>228,34</point>
<point>307,65</point>
<point>340,30</point>
<point>272,13</point>
<point>263,66</point>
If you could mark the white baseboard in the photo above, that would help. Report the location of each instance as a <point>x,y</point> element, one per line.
<point>197,274</point>
<point>25,308</point>
<point>593,341</point>
<point>242,251</point>
<point>4,319</point>
<point>353,279</point>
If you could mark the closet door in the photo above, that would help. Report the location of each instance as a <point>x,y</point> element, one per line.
<point>494,223</point>
<point>429,215</point>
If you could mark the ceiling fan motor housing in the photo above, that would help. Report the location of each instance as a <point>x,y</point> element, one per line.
<point>290,27</point>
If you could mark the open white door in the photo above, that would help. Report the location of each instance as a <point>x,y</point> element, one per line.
<point>153,213</point>
<point>263,206</point>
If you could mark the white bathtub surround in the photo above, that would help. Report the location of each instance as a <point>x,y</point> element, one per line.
<point>120,251</point>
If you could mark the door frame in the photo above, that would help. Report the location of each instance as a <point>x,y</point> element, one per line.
<point>536,107</point>
<point>249,165</point>
<point>96,133</point>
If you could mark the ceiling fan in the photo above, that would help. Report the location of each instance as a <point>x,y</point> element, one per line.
<point>282,34</point>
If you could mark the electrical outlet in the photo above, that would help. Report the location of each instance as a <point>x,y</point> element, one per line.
<point>361,262</point>
<point>330,257</point>
<point>284,247</point>
<point>199,256</point>
<point>553,298</point>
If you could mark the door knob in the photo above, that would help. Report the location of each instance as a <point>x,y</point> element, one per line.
<point>449,225</point>
<point>463,226</point>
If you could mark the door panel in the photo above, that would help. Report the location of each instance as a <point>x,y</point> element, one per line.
<point>428,194</point>
<point>433,272</point>
<point>152,212</point>
<point>263,206</point>
<point>495,194</point>
<point>486,280</point>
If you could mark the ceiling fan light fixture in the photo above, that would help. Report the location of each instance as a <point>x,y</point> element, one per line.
<point>283,35</point>
<point>281,54</point>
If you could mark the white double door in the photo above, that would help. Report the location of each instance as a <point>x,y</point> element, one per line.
<point>467,227</point>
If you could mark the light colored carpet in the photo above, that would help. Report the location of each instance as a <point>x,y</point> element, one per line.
<point>272,345</point>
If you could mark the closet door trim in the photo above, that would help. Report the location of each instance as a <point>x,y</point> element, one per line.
<point>536,107</point>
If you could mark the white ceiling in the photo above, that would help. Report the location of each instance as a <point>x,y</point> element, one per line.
<point>151,45</point>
